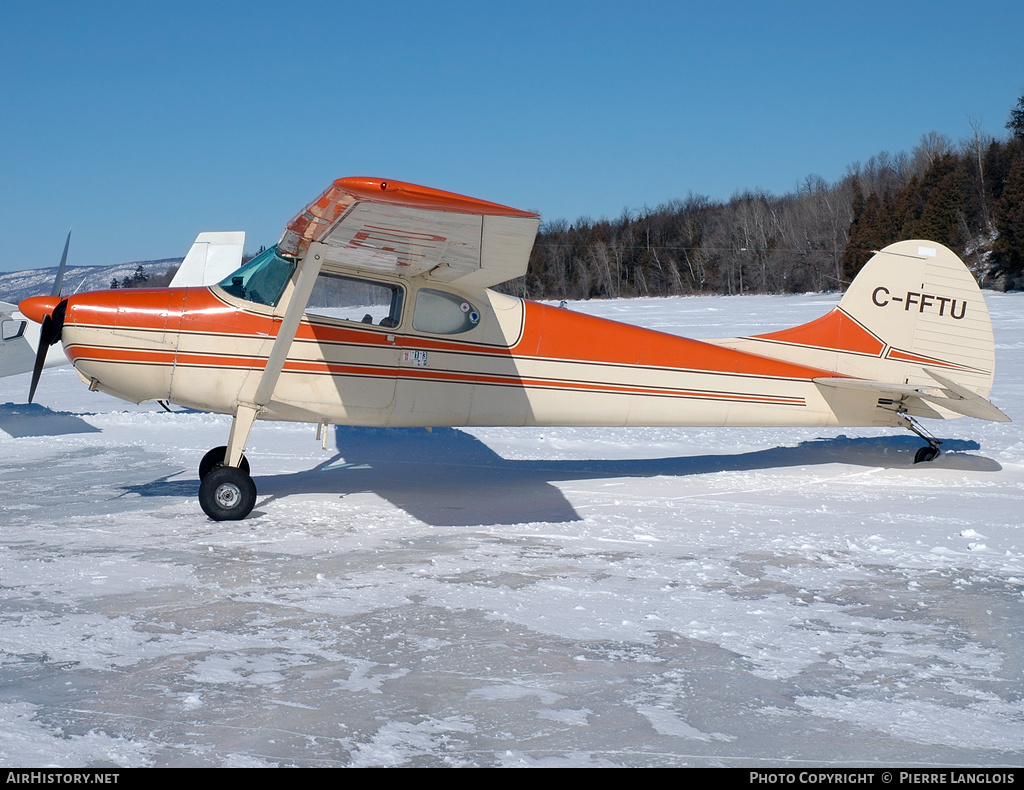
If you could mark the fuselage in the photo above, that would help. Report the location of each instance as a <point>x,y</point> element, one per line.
<point>515,363</point>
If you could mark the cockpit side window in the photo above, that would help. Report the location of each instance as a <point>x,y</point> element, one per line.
<point>263,279</point>
<point>443,313</point>
<point>356,299</point>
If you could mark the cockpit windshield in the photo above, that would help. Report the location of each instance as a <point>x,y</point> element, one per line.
<point>261,280</point>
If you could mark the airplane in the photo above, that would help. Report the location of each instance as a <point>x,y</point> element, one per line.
<point>19,339</point>
<point>210,259</point>
<point>376,309</point>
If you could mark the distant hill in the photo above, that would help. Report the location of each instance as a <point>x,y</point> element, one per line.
<point>15,286</point>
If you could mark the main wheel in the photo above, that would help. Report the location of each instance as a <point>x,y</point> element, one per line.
<point>215,458</point>
<point>227,494</point>
<point>925,454</point>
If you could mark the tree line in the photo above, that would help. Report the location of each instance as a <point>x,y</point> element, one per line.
<point>968,196</point>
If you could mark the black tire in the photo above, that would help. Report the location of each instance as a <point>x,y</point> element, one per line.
<point>925,454</point>
<point>215,458</point>
<point>227,494</point>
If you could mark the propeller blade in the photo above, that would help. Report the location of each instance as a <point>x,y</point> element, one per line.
<point>45,331</point>
<point>49,333</point>
<point>59,282</point>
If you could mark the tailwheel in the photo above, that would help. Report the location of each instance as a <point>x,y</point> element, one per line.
<point>931,450</point>
<point>227,493</point>
<point>215,458</point>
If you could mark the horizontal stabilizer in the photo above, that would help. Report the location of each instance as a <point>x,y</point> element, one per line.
<point>946,394</point>
<point>964,401</point>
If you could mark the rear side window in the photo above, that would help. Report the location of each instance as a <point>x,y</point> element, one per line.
<point>442,313</point>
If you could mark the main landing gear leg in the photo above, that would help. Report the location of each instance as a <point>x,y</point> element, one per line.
<point>227,492</point>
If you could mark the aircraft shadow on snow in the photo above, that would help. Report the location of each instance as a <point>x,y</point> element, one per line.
<point>448,477</point>
<point>19,420</point>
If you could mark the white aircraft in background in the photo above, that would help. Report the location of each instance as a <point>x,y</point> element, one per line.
<point>19,338</point>
<point>213,256</point>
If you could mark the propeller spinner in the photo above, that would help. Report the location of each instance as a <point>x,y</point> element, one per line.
<point>51,318</point>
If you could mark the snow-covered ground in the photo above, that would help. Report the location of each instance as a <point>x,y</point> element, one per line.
<point>559,597</point>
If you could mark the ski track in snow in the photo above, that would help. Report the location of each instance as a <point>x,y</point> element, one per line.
<point>515,597</point>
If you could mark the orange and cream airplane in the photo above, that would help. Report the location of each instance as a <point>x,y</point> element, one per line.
<point>375,309</point>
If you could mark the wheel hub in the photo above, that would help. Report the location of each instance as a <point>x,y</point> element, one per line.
<point>227,495</point>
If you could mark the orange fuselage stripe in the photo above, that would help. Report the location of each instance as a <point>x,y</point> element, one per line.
<point>835,330</point>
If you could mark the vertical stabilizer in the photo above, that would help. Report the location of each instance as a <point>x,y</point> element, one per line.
<point>922,302</point>
<point>212,258</point>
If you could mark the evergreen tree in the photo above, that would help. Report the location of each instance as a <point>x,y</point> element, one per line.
<point>873,227</point>
<point>1009,220</point>
<point>889,228</point>
<point>942,204</point>
<point>853,254</point>
<point>1016,122</point>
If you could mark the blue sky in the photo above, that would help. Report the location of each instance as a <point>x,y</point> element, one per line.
<point>140,125</point>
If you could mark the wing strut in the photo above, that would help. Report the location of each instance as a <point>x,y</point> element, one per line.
<point>245,415</point>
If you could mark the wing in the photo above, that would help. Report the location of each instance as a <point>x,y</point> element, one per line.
<point>408,230</point>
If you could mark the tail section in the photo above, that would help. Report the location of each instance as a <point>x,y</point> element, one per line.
<point>212,258</point>
<point>911,335</point>
<point>920,301</point>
